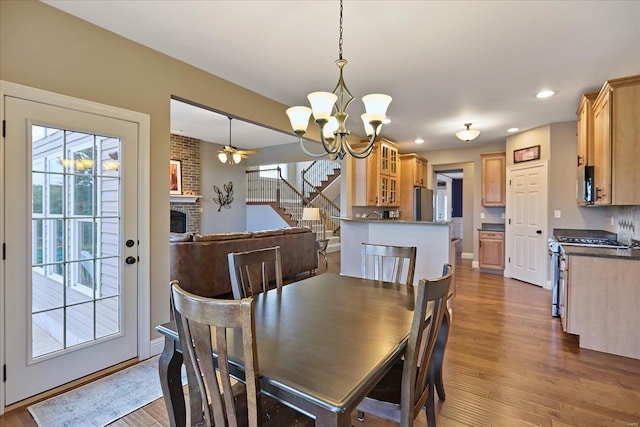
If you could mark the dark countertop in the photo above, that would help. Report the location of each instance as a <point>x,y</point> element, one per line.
<point>486,226</point>
<point>394,221</point>
<point>630,254</point>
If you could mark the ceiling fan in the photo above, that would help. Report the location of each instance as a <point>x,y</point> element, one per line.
<point>232,155</point>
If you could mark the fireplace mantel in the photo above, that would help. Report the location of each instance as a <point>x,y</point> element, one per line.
<point>184,198</point>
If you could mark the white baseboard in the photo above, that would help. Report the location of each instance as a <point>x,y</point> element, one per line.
<point>467,255</point>
<point>156,346</point>
<point>475,264</point>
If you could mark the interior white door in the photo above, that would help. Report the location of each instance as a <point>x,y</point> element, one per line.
<point>526,228</point>
<point>71,224</point>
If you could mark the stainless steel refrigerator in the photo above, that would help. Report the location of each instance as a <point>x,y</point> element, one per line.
<point>422,204</point>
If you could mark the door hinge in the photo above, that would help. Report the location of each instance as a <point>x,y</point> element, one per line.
<point>509,221</point>
<point>4,373</point>
<point>4,251</point>
<point>4,128</point>
<point>509,260</point>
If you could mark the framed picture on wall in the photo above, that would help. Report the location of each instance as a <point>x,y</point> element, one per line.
<point>526,154</point>
<point>175,177</point>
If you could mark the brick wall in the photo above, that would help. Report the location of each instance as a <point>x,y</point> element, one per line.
<point>187,150</point>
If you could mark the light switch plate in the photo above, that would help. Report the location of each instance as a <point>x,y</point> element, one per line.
<point>557,214</point>
<point>481,215</point>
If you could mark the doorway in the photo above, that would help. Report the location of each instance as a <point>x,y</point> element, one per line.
<point>70,221</point>
<point>448,202</point>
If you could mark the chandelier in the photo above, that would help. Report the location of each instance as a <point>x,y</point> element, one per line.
<point>467,134</point>
<point>333,133</point>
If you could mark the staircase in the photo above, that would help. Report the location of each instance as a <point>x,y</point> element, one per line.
<point>269,187</point>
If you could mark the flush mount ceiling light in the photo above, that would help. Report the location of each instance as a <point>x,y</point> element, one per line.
<point>545,94</point>
<point>419,141</point>
<point>333,133</point>
<point>467,134</point>
<point>511,130</point>
<point>230,154</point>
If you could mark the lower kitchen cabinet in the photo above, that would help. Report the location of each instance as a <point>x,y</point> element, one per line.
<point>491,250</point>
<point>602,297</point>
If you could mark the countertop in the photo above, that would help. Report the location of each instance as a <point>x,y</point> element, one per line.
<point>395,221</point>
<point>630,254</point>
<point>487,226</point>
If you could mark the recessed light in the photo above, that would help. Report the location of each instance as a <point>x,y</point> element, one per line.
<point>419,141</point>
<point>545,94</point>
<point>511,130</point>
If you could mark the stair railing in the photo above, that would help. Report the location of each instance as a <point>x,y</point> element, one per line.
<point>267,186</point>
<point>318,176</point>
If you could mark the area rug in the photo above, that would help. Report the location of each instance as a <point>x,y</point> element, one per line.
<point>103,401</point>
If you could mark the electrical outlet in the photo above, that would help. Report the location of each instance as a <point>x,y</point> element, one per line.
<point>481,215</point>
<point>613,220</point>
<point>557,214</point>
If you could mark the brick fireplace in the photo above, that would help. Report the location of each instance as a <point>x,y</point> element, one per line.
<point>187,150</point>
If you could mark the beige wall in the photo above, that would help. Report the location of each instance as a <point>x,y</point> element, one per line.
<point>48,49</point>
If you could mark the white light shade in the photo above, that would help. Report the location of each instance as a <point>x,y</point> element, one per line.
<point>330,128</point>
<point>222,156</point>
<point>237,158</point>
<point>367,126</point>
<point>299,118</point>
<point>322,104</point>
<point>310,214</point>
<point>468,134</point>
<point>376,106</point>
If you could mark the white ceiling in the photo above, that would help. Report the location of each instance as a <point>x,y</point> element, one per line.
<point>443,62</point>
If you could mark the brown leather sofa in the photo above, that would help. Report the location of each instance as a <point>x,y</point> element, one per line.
<point>200,263</point>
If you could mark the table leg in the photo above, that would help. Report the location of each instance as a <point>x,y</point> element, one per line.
<point>169,368</point>
<point>438,353</point>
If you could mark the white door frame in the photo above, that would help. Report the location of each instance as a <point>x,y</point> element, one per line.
<point>509,213</point>
<point>143,121</point>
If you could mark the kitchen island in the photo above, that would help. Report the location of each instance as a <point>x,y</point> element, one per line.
<point>432,240</point>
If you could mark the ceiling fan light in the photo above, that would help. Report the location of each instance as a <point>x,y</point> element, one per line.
<point>237,158</point>
<point>322,104</point>
<point>222,156</point>
<point>468,134</point>
<point>299,118</point>
<point>376,106</point>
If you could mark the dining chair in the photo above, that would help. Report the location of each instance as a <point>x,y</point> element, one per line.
<point>408,386</point>
<point>388,263</point>
<point>254,272</point>
<point>232,403</point>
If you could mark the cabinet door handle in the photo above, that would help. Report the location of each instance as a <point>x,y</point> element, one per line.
<point>579,160</point>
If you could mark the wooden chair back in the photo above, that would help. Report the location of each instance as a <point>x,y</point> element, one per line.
<point>388,263</point>
<point>416,384</point>
<point>253,272</point>
<point>199,319</point>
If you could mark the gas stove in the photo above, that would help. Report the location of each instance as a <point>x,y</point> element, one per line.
<point>599,242</point>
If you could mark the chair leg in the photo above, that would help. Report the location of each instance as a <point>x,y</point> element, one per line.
<point>360,416</point>
<point>430,407</point>
<point>441,345</point>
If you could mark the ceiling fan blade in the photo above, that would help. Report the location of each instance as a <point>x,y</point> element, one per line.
<point>247,152</point>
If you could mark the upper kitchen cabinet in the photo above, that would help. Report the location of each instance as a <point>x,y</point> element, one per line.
<point>493,179</point>
<point>585,140</point>
<point>380,172</point>
<point>414,170</point>
<point>413,173</point>
<point>616,142</point>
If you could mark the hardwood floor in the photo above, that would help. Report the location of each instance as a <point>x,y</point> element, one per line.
<point>507,363</point>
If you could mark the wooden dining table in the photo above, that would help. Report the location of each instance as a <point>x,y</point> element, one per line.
<point>323,344</point>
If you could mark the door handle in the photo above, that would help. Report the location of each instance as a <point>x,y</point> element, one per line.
<point>538,231</point>
<point>130,260</point>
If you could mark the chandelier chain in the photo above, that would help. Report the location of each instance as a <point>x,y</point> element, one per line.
<point>340,39</point>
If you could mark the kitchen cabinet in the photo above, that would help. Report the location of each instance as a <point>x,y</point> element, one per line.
<point>601,303</point>
<point>413,173</point>
<point>616,142</point>
<point>380,172</point>
<point>585,141</point>
<point>493,179</point>
<point>491,254</point>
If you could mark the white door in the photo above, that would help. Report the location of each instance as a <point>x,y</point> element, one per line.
<point>526,229</point>
<point>70,191</point>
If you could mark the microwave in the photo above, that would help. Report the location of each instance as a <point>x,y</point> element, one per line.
<point>588,188</point>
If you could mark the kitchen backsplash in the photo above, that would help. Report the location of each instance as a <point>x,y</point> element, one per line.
<point>627,224</point>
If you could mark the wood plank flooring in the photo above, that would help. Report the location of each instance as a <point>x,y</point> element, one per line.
<point>507,363</point>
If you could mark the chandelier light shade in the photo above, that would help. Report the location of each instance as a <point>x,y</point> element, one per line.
<point>468,134</point>
<point>329,111</point>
